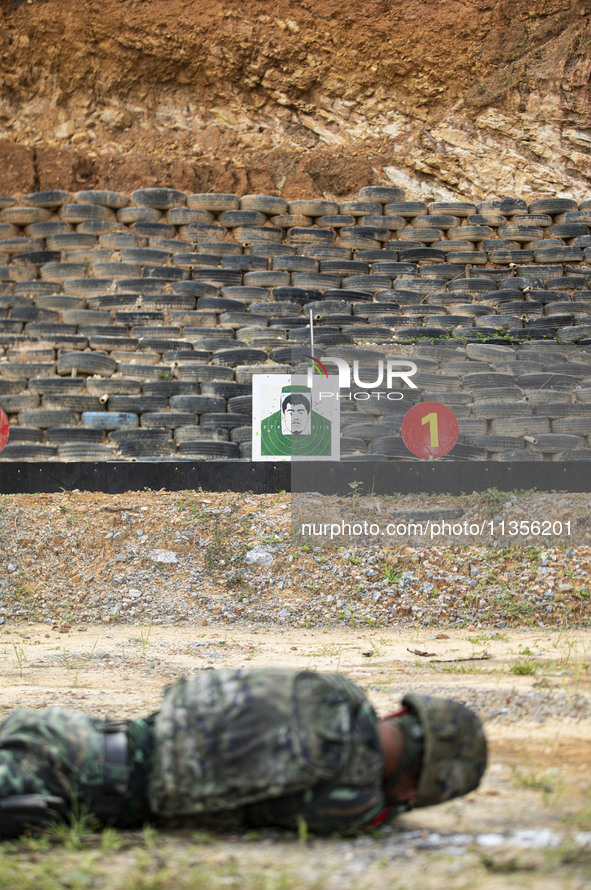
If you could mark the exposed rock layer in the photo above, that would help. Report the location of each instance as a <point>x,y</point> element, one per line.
<point>485,97</point>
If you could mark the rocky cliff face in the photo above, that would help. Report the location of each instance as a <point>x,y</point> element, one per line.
<point>445,98</point>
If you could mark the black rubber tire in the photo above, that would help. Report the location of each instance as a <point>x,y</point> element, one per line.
<point>233,357</point>
<point>16,403</point>
<point>313,208</point>
<point>129,215</point>
<point>12,387</point>
<point>167,273</point>
<point>78,403</point>
<point>168,419</point>
<point>415,255</point>
<point>56,332</point>
<point>245,294</point>
<point>318,252</point>
<point>44,385</point>
<point>224,420</point>
<point>554,443</point>
<point>185,216</point>
<point>36,257</point>
<point>527,454</point>
<point>382,194</point>
<point>120,274</point>
<point>24,451</point>
<point>458,209</point>
<point>214,202</point>
<point>349,295</point>
<point>579,426</point>
<point>360,208</point>
<point>197,404</point>
<point>79,213</point>
<point>233,219</point>
<point>199,434</point>
<point>520,426</point>
<point>220,304</point>
<point>219,248</point>
<point>218,277</point>
<point>244,262</point>
<point>332,221</point>
<point>62,271</point>
<point>302,235</point>
<point>86,363</point>
<point>33,313</point>
<point>139,317</point>
<point>249,235</point>
<point>213,450</point>
<point>268,204</point>
<point>552,206</point>
<point>143,255</point>
<point>577,454</point>
<point>558,255</point>
<point>292,354</point>
<point>177,305</point>
<point>547,381</point>
<point>407,209</point>
<point>225,389</point>
<point>505,206</point>
<point>391,446</point>
<point>195,288</point>
<point>44,418</point>
<point>270,278</point>
<point>241,434</point>
<point>24,215</point>
<point>73,434</point>
<point>22,434</point>
<point>140,436</point>
<point>160,198</point>
<point>240,405</point>
<point>416,333</point>
<point>494,220</point>
<point>568,230</point>
<point>114,200</point>
<point>82,452</point>
<point>15,246</point>
<point>299,295</point>
<point>466,452</point>
<point>497,443</point>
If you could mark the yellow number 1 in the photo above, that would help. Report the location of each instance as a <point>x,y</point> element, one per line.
<point>431,419</point>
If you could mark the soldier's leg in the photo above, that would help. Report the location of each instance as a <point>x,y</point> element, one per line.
<point>53,753</point>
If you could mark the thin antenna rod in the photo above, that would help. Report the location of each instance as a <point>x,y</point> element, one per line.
<point>311,334</point>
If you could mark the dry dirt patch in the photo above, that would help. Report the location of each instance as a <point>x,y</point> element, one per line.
<point>529,824</point>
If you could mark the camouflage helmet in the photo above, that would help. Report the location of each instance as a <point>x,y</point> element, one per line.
<point>454,745</point>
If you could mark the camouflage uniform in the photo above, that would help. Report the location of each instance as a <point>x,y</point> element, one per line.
<point>231,748</point>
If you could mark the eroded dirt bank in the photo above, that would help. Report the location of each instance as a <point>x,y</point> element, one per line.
<point>483,98</point>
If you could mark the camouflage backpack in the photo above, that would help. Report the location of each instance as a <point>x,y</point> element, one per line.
<point>223,739</point>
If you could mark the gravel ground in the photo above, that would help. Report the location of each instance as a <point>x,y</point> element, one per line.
<point>236,559</point>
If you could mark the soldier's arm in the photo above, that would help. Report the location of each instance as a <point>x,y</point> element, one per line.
<point>326,809</point>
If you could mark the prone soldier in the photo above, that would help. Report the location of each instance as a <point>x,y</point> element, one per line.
<point>240,748</point>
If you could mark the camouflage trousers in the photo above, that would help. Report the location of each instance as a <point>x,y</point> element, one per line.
<point>60,754</point>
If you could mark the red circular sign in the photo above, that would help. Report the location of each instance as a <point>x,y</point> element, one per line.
<point>430,430</point>
<point>3,429</point>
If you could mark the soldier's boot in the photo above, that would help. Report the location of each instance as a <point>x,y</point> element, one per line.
<point>447,740</point>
